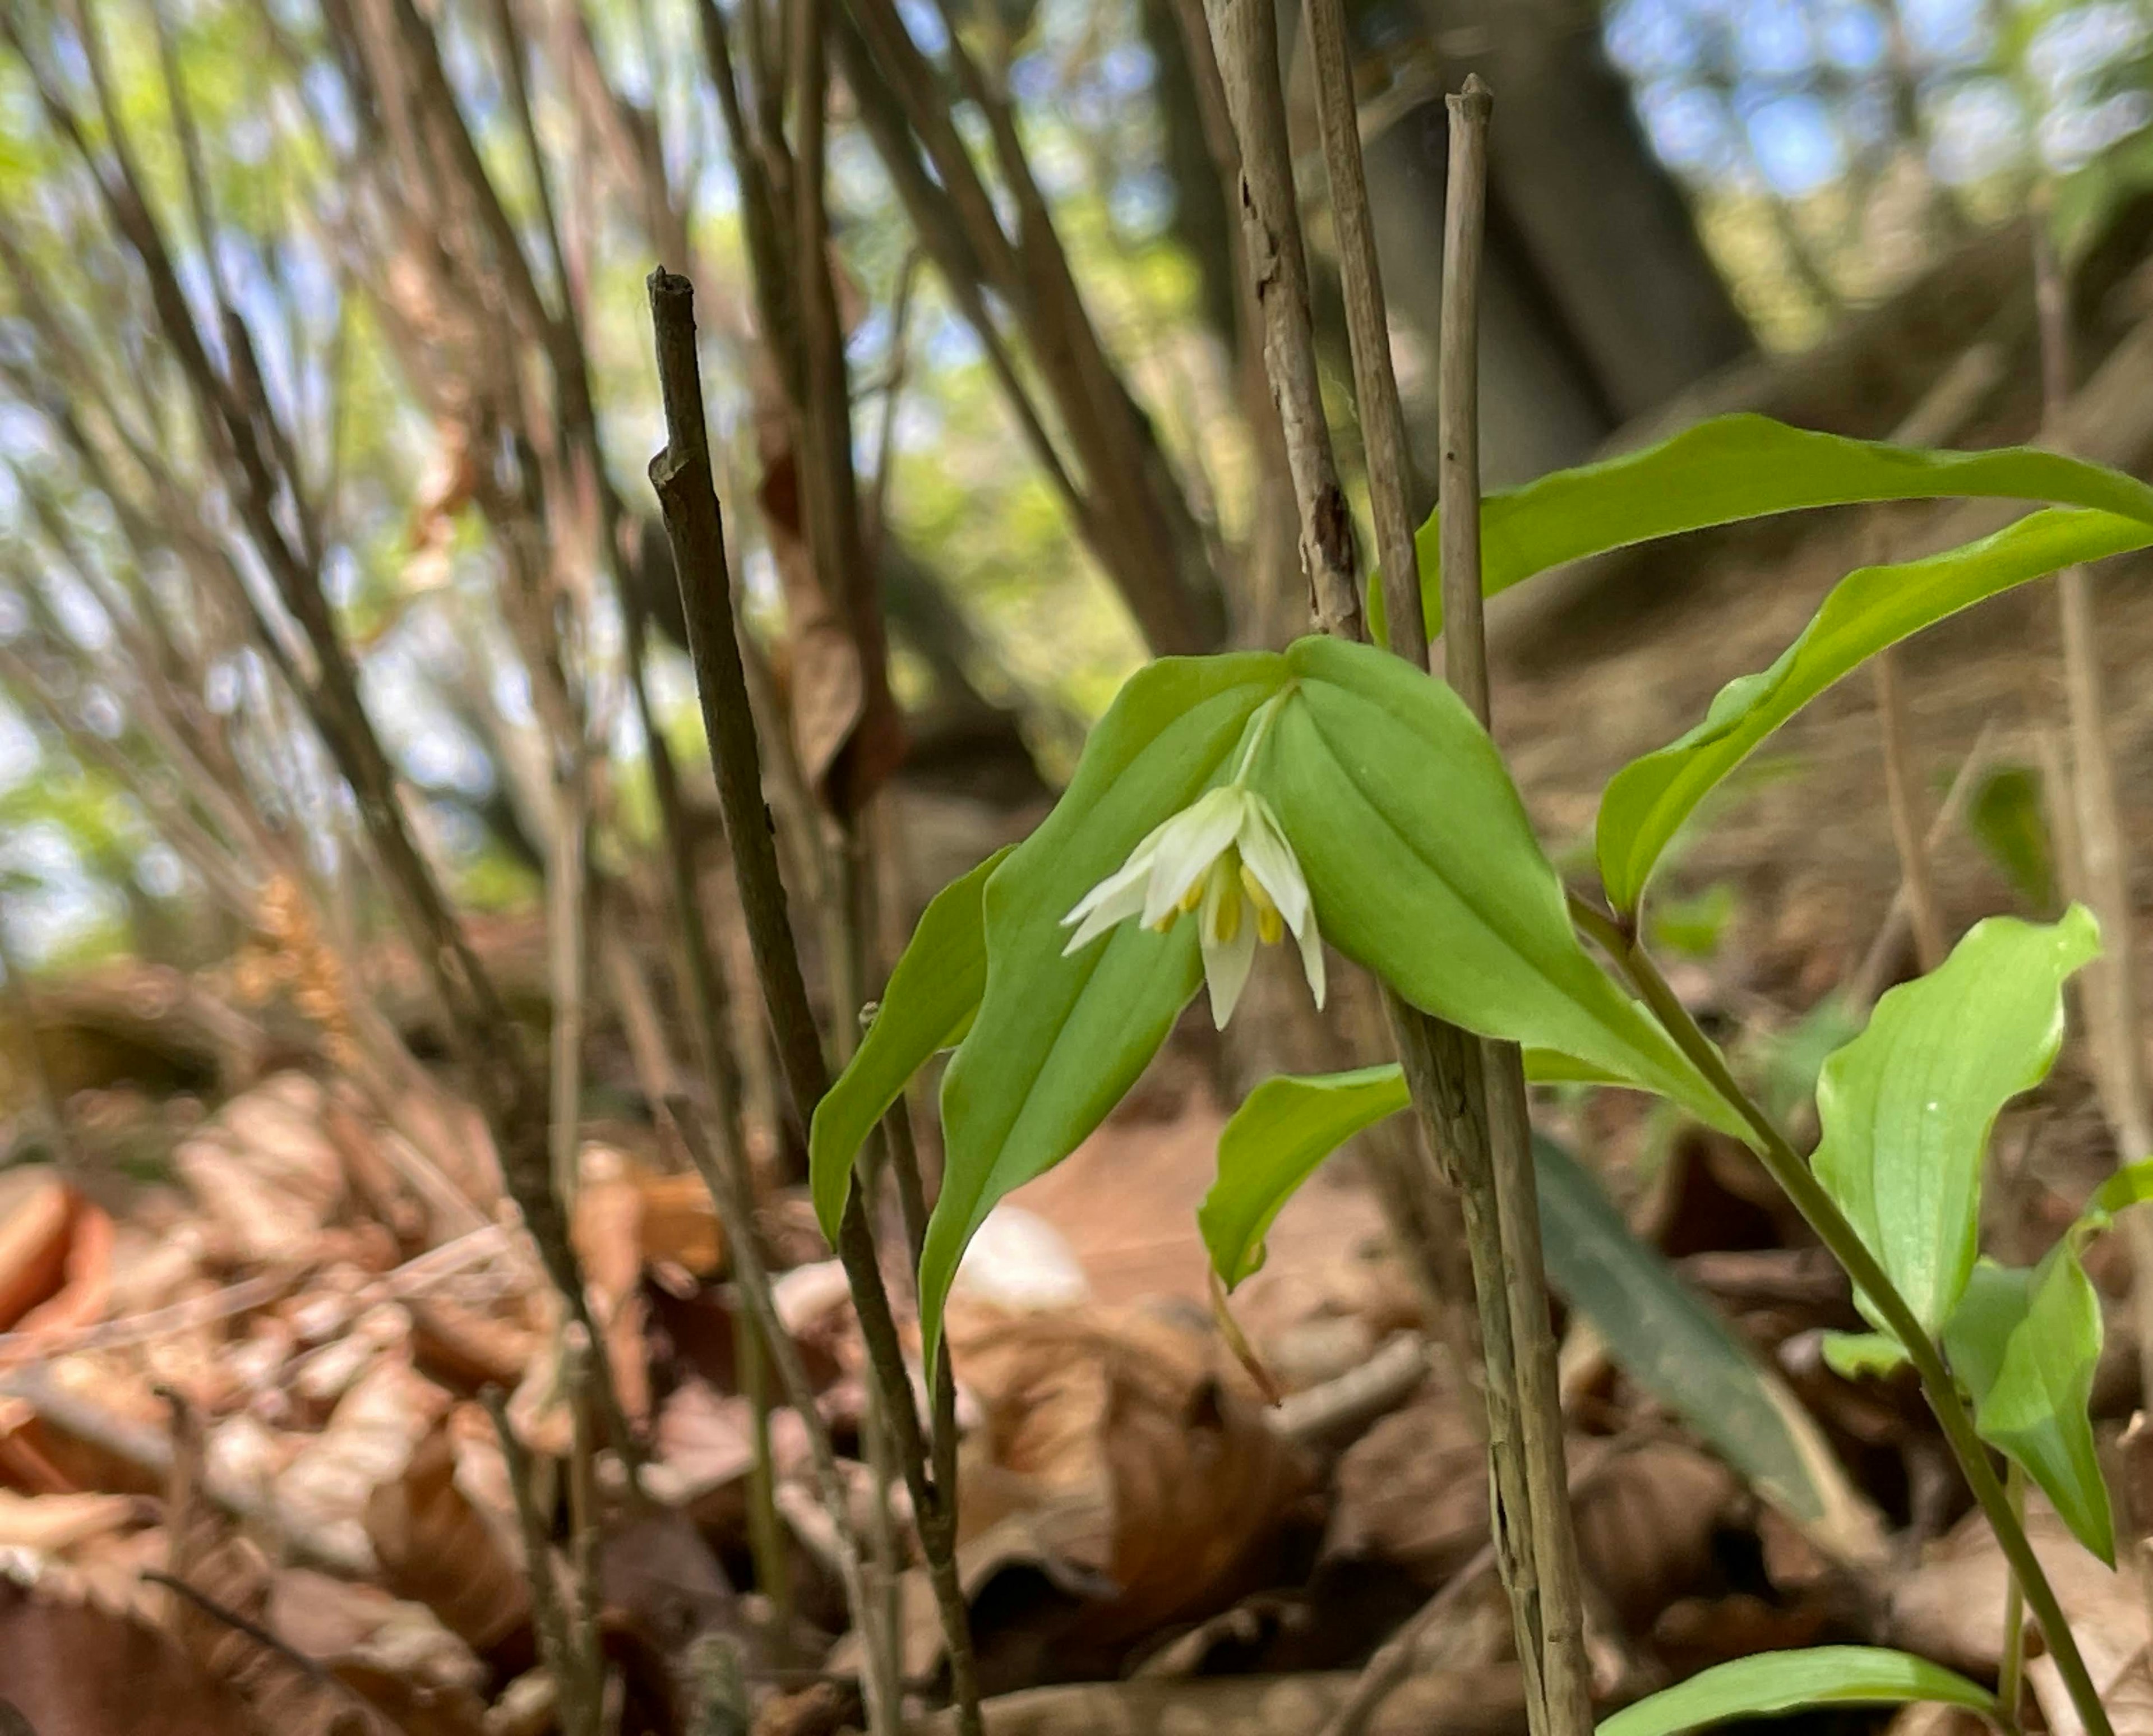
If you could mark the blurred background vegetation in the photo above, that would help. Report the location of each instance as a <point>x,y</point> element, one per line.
<point>1681,186</point>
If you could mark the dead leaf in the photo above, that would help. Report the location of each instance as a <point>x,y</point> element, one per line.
<point>324,1491</point>
<point>1646,1525</point>
<point>437,1549</point>
<point>2125,1695</point>
<point>37,1221</point>
<point>49,1525</point>
<point>265,1169</point>
<point>1413,1490</point>
<point>1951,1607</point>
<point>1143,1431</point>
<point>73,1670</point>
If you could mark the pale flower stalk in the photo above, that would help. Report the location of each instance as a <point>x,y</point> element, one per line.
<point>1224,859</point>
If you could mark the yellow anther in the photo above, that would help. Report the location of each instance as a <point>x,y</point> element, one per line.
<point>1270,926</point>
<point>1193,897</point>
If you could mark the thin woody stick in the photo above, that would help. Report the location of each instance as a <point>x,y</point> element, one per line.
<point>681,475</point>
<point>1565,1681</point>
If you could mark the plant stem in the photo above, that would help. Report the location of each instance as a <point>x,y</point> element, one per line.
<point>2011,1678</point>
<point>1800,1185</point>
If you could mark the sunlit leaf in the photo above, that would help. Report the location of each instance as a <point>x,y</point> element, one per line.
<point>1735,467</point>
<point>1907,1106</point>
<point>1870,608</point>
<point>2026,1342</point>
<point>1419,858</point>
<point>928,1005</point>
<point>1425,868</point>
<point>1771,1682</point>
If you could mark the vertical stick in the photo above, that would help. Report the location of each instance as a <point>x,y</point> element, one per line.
<point>1923,914</point>
<point>688,496</point>
<point>2109,996</point>
<point>1567,1683</point>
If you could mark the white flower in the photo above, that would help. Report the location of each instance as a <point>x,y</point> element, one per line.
<point>1224,858</point>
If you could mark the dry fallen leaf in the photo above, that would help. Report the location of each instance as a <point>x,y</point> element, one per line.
<point>436,1548</point>
<point>1146,1431</point>
<point>75,1670</point>
<point>265,1169</point>
<point>1413,1490</point>
<point>37,1223</point>
<point>324,1491</point>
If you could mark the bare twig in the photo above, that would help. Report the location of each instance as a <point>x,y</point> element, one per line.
<point>1939,416</point>
<point>681,474</point>
<point>2109,988</point>
<point>1246,34</point>
<point>1393,1662</point>
<point>1867,981</point>
<point>561,1644</point>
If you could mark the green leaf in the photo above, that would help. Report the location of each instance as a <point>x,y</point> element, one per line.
<point>1907,1106</point>
<point>1280,1137</point>
<point>1790,1681</point>
<point>1867,610</point>
<point>1732,468</point>
<point>928,1006</point>
<point>1676,1347</point>
<point>1058,1041</point>
<point>1424,868</point>
<point>1856,1356</point>
<point>2008,820</point>
<point>1670,1341</point>
<point>2025,1343</point>
<point>2131,1185</point>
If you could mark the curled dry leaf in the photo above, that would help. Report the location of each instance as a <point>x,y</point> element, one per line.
<point>437,1549</point>
<point>324,1490</point>
<point>74,1668</point>
<point>265,1169</point>
<point>1413,1491</point>
<point>55,1258</point>
<point>1145,1428</point>
<point>1646,1525</point>
<point>1950,1608</point>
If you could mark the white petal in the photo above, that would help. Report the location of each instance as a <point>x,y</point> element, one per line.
<point>1271,860</point>
<point>1312,958</point>
<point>1123,886</point>
<point>1191,843</point>
<point>1226,969</point>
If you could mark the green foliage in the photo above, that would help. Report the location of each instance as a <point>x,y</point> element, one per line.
<point>1737,467</point>
<point>932,993</point>
<point>2006,817</point>
<point>1869,609</point>
<point>1907,1106</point>
<point>2025,1343</point>
<point>1773,1681</point>
<point>1436,883</point>
<point>1668,1340</point>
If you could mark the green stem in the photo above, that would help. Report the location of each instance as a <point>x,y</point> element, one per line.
<point>1796,1180</point>
<point>2011,1679</point>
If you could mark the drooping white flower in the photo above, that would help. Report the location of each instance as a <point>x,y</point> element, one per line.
<point>1224,858</point>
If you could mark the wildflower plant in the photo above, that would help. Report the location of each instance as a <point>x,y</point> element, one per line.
<point>1336,793</point>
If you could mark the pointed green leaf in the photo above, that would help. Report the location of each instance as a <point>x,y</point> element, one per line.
<point>1676,1347</point>
<point>1666,1337</point>
<point>1059,1039</point>
<point>1424,868</point>
<point>1279,1137</point>
<point>928,1006</point>
<point>1735,467</point>
<point>2025,1343</point>
<point>1793,1681</point>
<point>2131,1185</point>
<point>1907,1106</point>
<point>1870,608</point>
